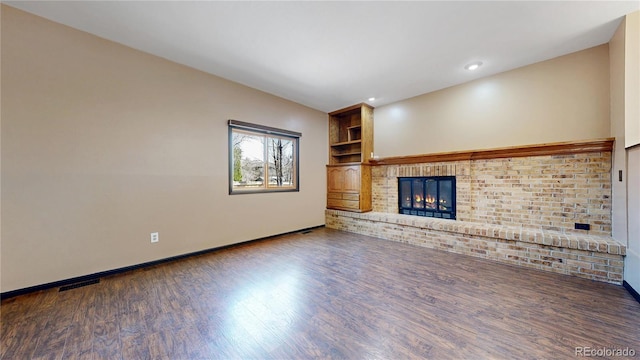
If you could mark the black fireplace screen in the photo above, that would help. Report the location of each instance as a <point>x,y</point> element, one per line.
<point>433,196</point>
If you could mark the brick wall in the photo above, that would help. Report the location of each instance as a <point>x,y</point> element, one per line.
<point>542,192</point>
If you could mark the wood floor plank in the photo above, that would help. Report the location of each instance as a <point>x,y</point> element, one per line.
<point>19,338</point>
<point>322,295</point>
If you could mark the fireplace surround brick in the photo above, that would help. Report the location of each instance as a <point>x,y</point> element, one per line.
<point>546,192</point>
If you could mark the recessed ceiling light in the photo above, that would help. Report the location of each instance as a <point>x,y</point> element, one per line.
<point>473,66</point>
<point>372,99</point>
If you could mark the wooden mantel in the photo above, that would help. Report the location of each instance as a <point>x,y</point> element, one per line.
<point>559,148</point>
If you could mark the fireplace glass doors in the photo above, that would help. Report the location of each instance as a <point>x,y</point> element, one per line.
<point>433,196</point>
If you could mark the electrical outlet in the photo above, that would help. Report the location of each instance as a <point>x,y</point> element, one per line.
<point>154,237</point>
<point>580,226</point>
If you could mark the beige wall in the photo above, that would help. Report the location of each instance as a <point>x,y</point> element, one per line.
<point>618,188</point>
<point>632,85</point>
<point>103,144</point>
<point>631,119</point>
<point>632,263</point>
<point>1,7</point>
<point>562,99</point>
<point>624,53</point>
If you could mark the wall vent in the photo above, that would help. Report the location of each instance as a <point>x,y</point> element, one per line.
<point>80,284</point>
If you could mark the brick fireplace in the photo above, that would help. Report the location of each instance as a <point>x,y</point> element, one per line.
<point>518,207</point>
<point>547,192</point>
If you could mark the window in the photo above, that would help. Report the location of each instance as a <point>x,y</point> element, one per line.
<point>262,159</point>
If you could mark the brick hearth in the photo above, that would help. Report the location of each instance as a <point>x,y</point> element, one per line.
<point>594,257</point>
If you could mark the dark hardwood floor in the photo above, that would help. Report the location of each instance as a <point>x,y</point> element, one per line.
<point>325,294</point>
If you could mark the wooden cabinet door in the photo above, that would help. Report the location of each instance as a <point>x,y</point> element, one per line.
<point>343,178</point>
<point>335,179</point>
<point>351,182</point>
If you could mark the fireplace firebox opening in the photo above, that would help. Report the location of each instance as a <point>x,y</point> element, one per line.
<point>433,196</point>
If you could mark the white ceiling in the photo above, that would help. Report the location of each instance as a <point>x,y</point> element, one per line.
<point>328,55</point>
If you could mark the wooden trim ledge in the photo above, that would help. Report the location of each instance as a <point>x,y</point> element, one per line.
<point>559,148</point>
